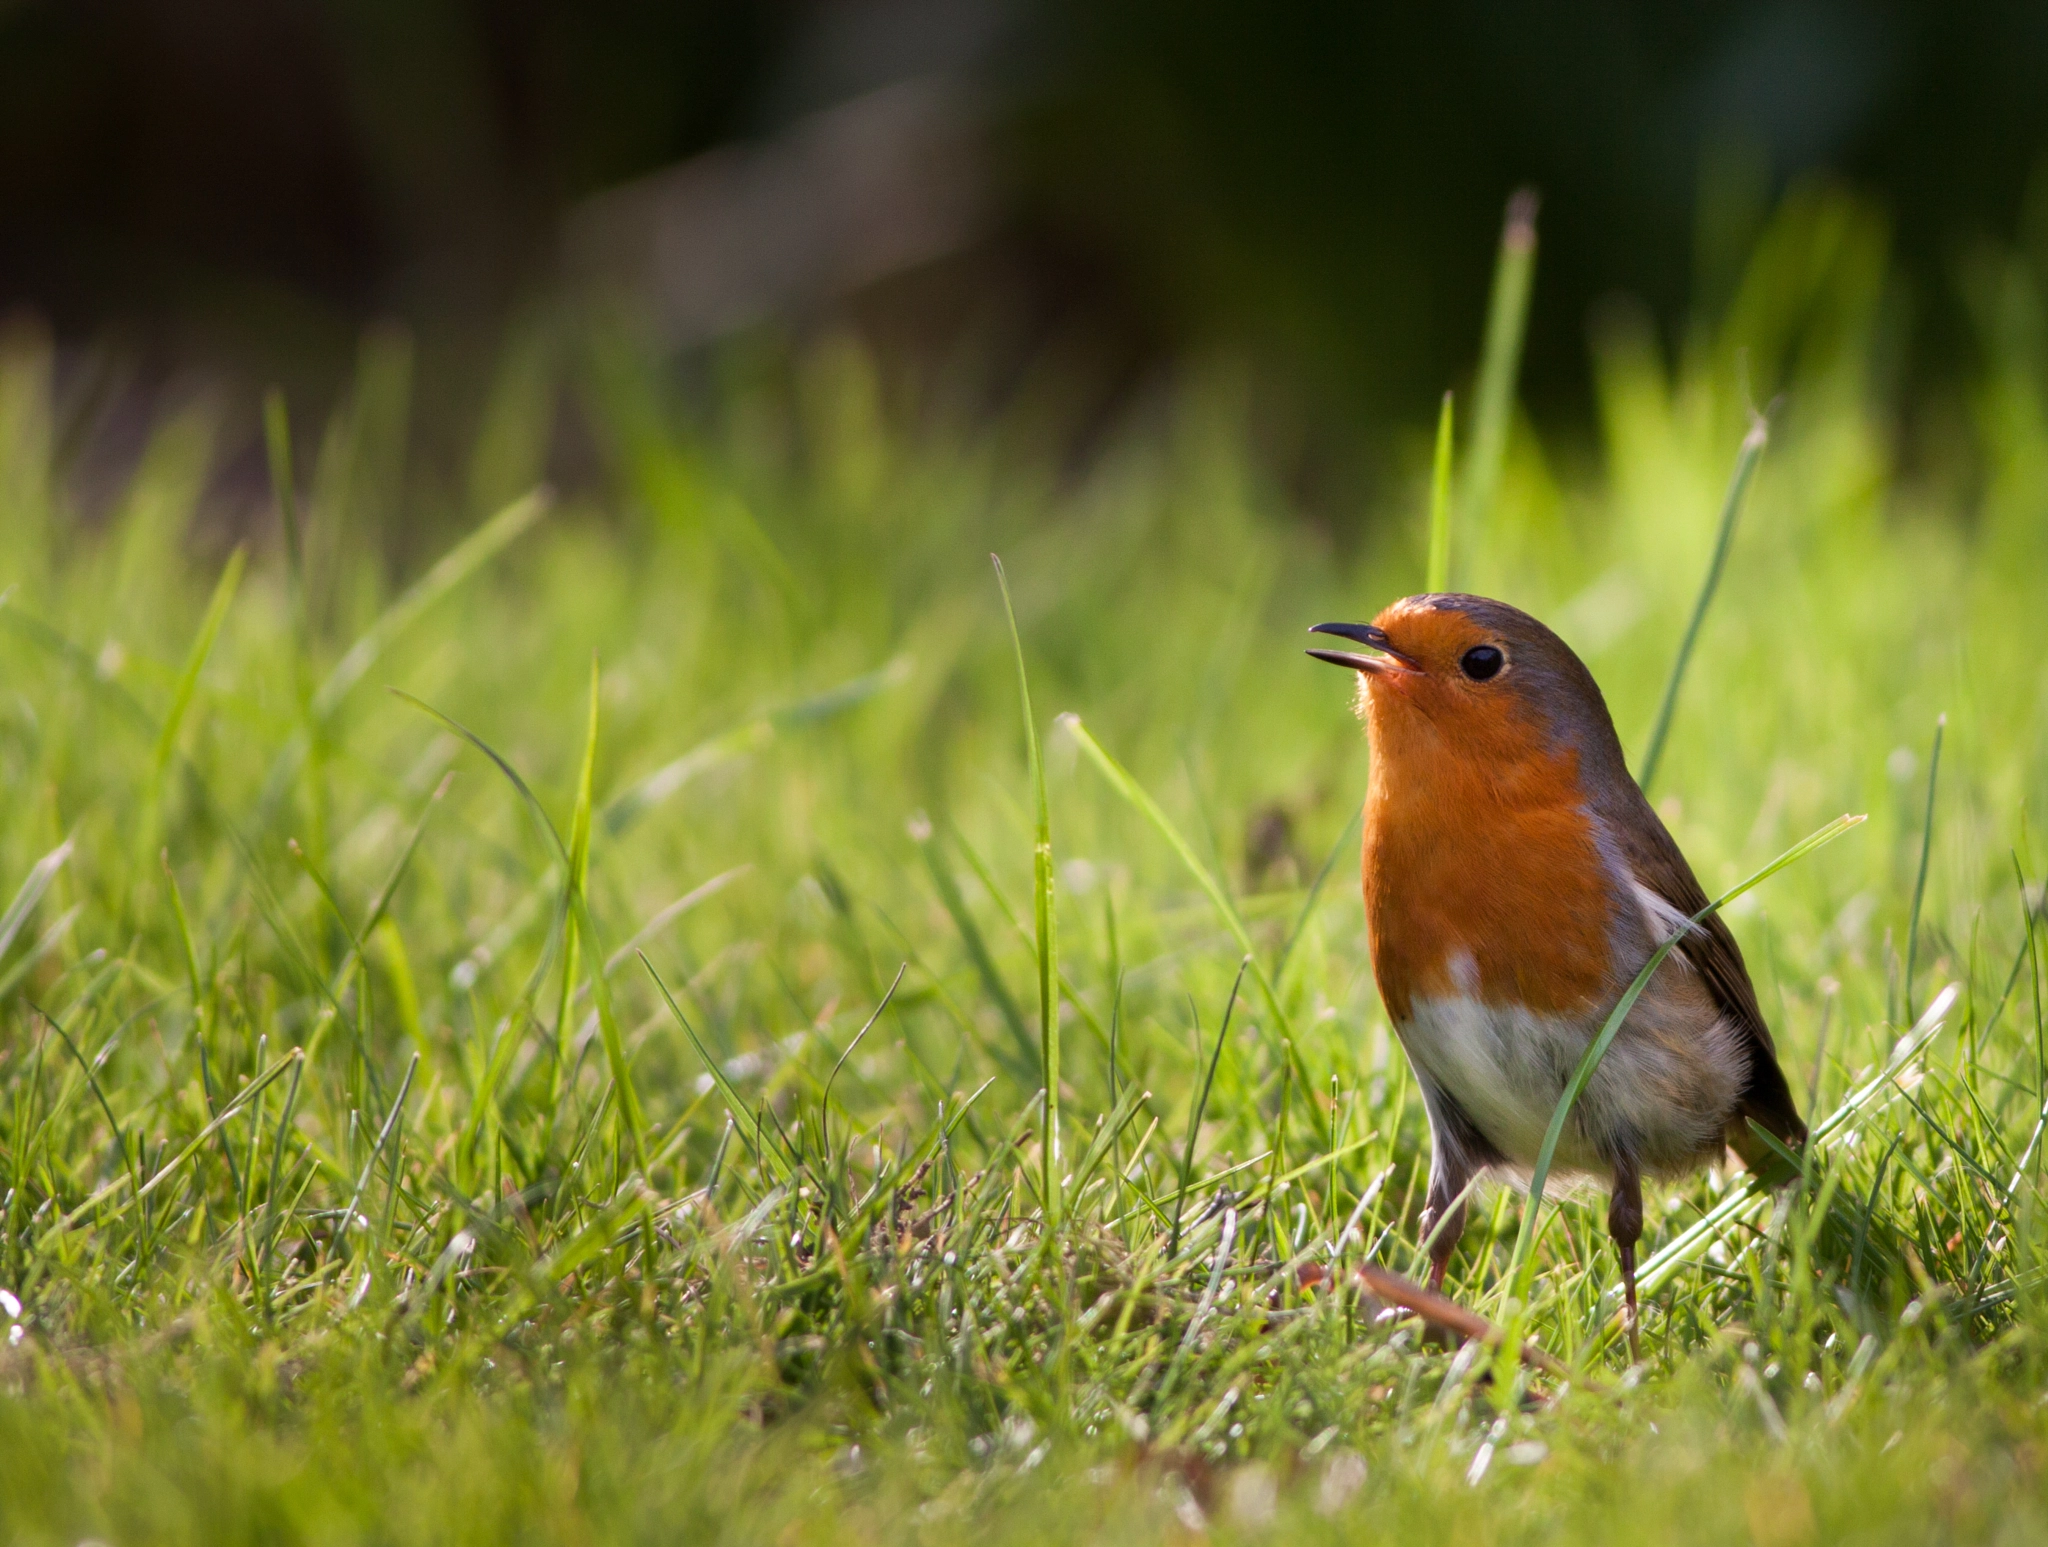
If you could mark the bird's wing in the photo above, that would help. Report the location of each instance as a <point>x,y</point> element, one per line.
<point>1661,870</point>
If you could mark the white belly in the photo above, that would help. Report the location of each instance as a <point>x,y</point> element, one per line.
<point>1663,1090</point>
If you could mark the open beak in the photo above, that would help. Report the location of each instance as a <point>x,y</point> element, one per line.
<point>1389,659</point>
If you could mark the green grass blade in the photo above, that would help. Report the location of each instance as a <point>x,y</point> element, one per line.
<point>1920,876</point>
<point>1201,1105</point>
<point>191,951</point>
<point>978,954</point>
<point>526,795</point>
<point>348,1215</point>
<point>243,1097</point>
<point>1521,1265</point>
<point>1731,507</point>
<point>637,799</point>
<point>1135,794</point>
<point>1126,1108</point>
<point>1439,576</point>
<point>1345,839</point>
<point>736,1104</point>
<point>277,443</point>
<point>580,926</point>
<point>1500,360</point>
<point>80,662</point>
<point>578,870</point>
<point>1046,923</point>
<point>449,571</point>
<point>195,662</point>
<point>33,886</point>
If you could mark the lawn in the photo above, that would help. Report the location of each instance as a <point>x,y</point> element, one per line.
<point>540,1033</point>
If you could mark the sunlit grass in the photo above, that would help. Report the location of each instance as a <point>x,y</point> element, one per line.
<point>553,1101</point>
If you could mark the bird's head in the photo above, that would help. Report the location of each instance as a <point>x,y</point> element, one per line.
<point>1466,674</point>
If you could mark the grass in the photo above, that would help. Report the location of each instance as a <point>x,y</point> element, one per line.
<point>556,1101</point>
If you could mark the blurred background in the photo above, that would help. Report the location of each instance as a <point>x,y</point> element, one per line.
<point>990,193</point>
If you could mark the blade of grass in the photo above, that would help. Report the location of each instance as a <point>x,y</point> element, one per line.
<point>1315,890</point>
<point>192,1147</point>
<point>1926,849</point>
<point>631,1114</point>
<point>81,663</point>
<point>1731,506</point>
<point>468,556</point>
<point>526,795</point>
<point>736,1105</point>
<point>277,443</point>
<point>92,1082</point>
<point>348,1214</point>
<point>825,1098</point>
<point>195,662</point>
<point>1135,794</point>
<point>579,866</point>
<point>1201,1105</point>
<point>375,916</point>
<point>971,937</point>
<point>1500,360</point>
<point>752,735</point>
<point>574,910</point>
<point>1045,920</point>
<point>1439,575</point>
<point>37,882</point>
<point>1120,1116</point>
<point>46,942</point>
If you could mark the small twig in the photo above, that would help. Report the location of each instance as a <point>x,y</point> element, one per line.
<point>1439,1311</point>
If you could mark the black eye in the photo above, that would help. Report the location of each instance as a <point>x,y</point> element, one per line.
<point>1481,662</point>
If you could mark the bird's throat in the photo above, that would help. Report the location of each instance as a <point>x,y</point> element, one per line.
<point>1481,871</point>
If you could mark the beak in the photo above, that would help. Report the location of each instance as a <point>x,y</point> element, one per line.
<point>1389,658</point>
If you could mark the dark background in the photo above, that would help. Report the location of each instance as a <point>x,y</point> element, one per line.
<point>1315,189</point>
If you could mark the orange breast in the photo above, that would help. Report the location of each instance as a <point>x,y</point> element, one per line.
<point>1478,847</point>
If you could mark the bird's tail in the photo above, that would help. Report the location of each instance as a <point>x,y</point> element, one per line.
<point>1751,1135</point>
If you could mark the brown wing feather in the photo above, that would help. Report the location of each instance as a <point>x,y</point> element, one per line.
<point>1711,949</point>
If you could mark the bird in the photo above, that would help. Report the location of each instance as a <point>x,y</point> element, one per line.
<point>1516,880</point>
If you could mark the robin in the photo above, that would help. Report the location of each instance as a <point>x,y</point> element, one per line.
<point>1516,880</point>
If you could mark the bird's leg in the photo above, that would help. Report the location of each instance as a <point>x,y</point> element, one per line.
<point>1625,1224</point>
<point>1443,1215</point>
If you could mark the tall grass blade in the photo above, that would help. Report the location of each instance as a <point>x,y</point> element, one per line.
<point>1315,891</point>
<point>578,926</point>
<point>1926,849</point>
<point>195,662</point>
<point>531,801</point>
<point>350,1220</point>
<point>636,800</point>
<point>1121,781</point>
<point>1201,1105</point>
<point>1126,1108</point>
<point>37,882</point>
<point>578,870</point>
<point>449,571</point>
<point>1500,360</point>
<point>277,443</point>
<point>1731,507</point>
<point>1439,576</point>
<point>197,1142</point>
<point>736,1104</point>
<point>1045,921</point>
<point>971,937</point>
